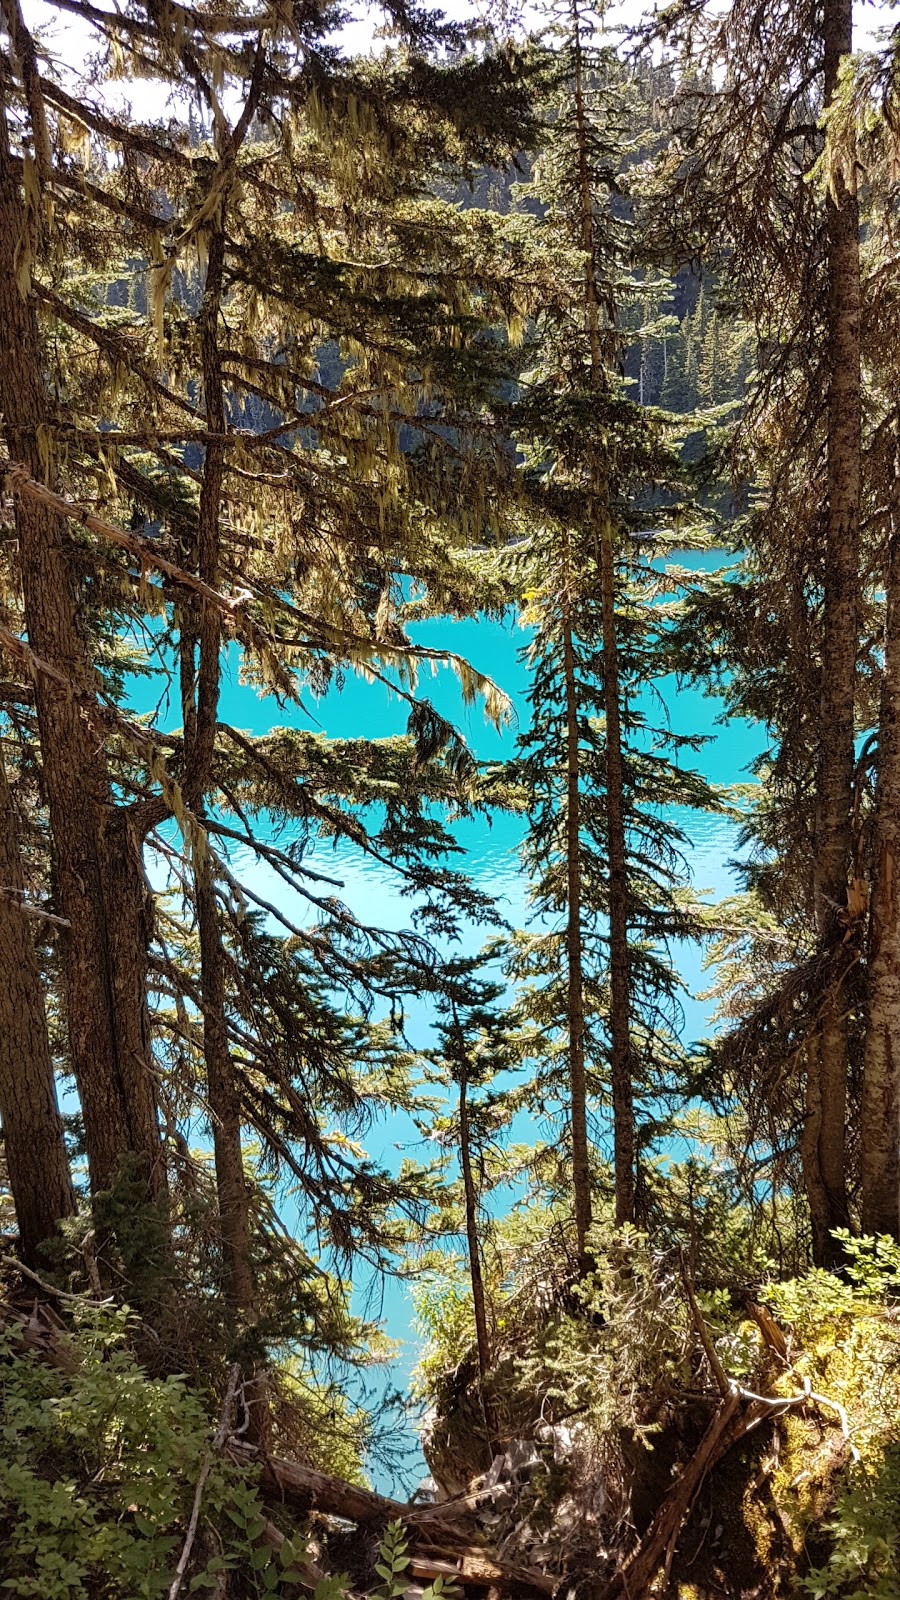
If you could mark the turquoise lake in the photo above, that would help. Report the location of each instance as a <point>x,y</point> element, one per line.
<point>361,709</point>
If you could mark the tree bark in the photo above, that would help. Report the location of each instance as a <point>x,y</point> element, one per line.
<point>102,892</point>
<point>36,1159</point>
<point>619,981</point>
<point>224,1105</point>
<point>581,1167</point>
<point>476,1276</point>
<point>620,988</point>
<point>839,645</point>
<point>880,1114</point>
<point>819,1215</point>
<point>200,701</point>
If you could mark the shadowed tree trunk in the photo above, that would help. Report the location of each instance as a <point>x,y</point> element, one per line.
<point>474,1246</point>
<point>473,1241</point>
<point>880,1117</point>
<point>96,845</point>
<point>224,1099</point>
<point>839,650</point>
<point>33,1141</point>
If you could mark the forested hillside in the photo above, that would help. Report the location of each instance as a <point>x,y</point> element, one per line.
<point>326,332</point>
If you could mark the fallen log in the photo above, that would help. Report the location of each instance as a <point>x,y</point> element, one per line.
<point>291,1484</point>
<point>482,1572</point>
<point>302,1486</point>
<point>308,1490</point>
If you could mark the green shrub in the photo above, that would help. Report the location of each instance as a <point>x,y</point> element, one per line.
<point>98,1470</point>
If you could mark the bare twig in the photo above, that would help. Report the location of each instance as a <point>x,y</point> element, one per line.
<point>28,910</point>
<point>45,1288</point>
<point>712,1354</point>
<point>221,1434</point>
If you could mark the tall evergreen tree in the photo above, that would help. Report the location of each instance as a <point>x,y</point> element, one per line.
<point>595,459</point>
<point>749,134</point>
<point>33,1142</point>
<point>283,424</point>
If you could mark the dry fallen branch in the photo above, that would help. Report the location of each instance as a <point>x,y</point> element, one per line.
<point>729,1425</point>
<point>289,1483</point>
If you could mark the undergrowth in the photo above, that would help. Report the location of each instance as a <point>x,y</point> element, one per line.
<point>99,1469</point>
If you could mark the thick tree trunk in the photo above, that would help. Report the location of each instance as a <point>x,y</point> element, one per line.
<point>619,982</point>
<point>839,646</point>
<point>33,1141</point>
<point>102,891</point>
<point>880,1119</point>
<point>581,1167</point>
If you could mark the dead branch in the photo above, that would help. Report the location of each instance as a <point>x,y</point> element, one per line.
<point>285,1482</point>
<point>712,1354</point>
<point>218,1441</point>
<point>729,1425</point>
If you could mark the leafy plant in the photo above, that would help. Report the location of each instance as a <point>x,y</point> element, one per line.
<point>865,1561</point>
<point>98,1474</point>
<point>393,1561</point>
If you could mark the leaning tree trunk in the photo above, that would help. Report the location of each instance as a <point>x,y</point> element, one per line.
<point>33,1141</point>
<point>581,1166</point>
<point>102,892</point>
<point>880,1119</point>
<point>619,980</point>
<point>839,650</point>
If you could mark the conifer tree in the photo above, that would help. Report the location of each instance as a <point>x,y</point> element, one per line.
<point>102,894</point>
<point>861,130</point>
<point>475,1046</point>
<point>282,423</point>
<point>590,448</point>
<point>33,1143</point>
<point>744,152</point>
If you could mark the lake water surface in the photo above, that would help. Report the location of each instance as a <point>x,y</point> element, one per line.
<point>360,709</point>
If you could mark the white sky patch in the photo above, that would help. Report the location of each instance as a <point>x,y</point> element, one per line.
<point>69,42</point>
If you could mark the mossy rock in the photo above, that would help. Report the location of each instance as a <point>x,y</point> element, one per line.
<point>760,1521</point>
<point>455,1441</point>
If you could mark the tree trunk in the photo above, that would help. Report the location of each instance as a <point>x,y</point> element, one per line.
<point>880,1117</point>
<point>839,642</point>
<point>581,1167</point>
<point>33,1141</point>
<point>201,715</point>
<point>620,988</point>
<point>224,1105</point>
<point>476,1277</point>
<point>819,1217</point>
<point>102,892</point>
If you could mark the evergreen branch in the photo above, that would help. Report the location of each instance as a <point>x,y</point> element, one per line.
<point>115,346</point>
<point>20,482</point>
<point>126,134</point>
